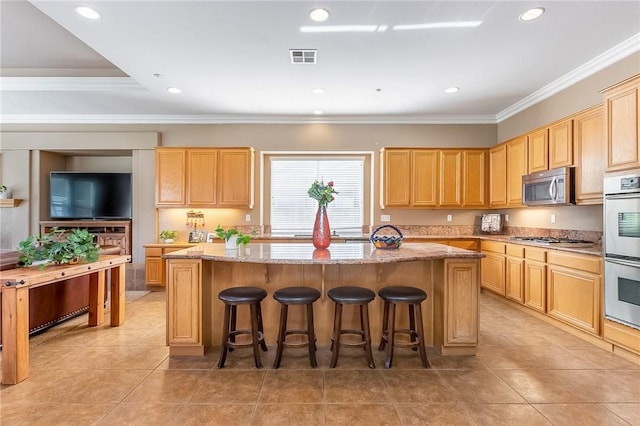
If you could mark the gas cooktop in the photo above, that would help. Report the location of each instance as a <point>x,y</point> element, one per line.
<point>557,242</point>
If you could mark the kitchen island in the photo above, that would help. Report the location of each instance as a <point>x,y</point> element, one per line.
<point>449,275</point>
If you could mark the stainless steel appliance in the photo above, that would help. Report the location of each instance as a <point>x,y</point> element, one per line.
<point>491,223</point>
<point>622,249</point>
<point>556,242</point>
<point>551,187</point>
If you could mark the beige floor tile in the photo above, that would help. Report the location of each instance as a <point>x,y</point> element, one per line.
<point>506,415</point>
<point>500,357</point>
<point>293,387</point>
<point>49,414</point>
<point>215,414</point>
<point>143,415</point>
<point>294,414</point>
<point>478,386</point>
<point>207,362</point>
<point>449,414</point>
<point>416,386</point>
<point>230,387</point>
<point>355,386</point>
<point>627,411</point>
<point>167,386</point>
<point>579,414</point>
<point>361,414</point>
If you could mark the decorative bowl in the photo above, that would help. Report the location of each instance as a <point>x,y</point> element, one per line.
<point>386,241</point>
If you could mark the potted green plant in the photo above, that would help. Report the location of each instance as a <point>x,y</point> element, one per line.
<point>232,237</point>
<point>4,192</point>
<point>60,247</point>
<point>168,237</point>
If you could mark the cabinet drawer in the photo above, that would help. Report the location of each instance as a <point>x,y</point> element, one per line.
<point>153,251</point>
<point>464,244</point>
<point>586,263</point>
<point>535,254</point>
<point>619,334</point>
<point>493,246</point>
<point>515,250</point>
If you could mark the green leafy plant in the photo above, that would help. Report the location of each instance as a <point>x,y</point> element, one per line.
<point>59,247</point>
<point>168,235</point>
<point>227,234</point>
<point>3,189</point>
<point>321,192</point>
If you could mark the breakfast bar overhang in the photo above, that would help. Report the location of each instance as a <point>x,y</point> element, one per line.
<point>449,276</point>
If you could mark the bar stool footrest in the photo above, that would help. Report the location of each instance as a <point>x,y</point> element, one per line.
<point>230,344</point>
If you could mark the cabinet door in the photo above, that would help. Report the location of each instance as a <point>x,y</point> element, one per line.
<point>170,177</point>
<point>153,270</point>
<point>498,176</point>
<point>589,156</point>
<point>622,125</point>
<point>450,174</point>
<point>493,273</point>
<point>461,303</point>
<point>234,177</point>
<point>574,297</point>
<point>184,301</point>
<point>561,144</point>
<point>516,167</point>
<point>535,285</point>
<point>425,178</point>
<point>397,178</point>
<point>514,283</point>
<point>538,160</point>
<point>202,166</point>
<point>474,178</point>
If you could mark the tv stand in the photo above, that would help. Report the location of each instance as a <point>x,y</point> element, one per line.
<point>107,232</point>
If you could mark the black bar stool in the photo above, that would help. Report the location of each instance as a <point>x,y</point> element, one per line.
<point>412,297</point>
<point>232,298</point>
<point>348,295</point>
<point>296,296</point>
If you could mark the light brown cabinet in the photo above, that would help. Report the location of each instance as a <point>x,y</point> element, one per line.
<point>535,278</point>
<point>433,178</point>
<point>184,307</point>
<point>561,144</point>
<point>492,266</point>
<point>621,335</point>
<point>574,293</point>
<point>514,278</point>
<point>204,177</point>
<point>538,142</point>
<point>516,168</point>
<point>155,269</point>
<point>622,124</point>
<point>589,155</point>
<point>498,176</point>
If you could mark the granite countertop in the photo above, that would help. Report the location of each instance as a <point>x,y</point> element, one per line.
<point>305,253</point>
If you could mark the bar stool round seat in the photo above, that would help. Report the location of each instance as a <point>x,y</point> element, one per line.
<point>413,298</point>
<point>232,298</point>
<point>351,295</point>
<point>296,296</point>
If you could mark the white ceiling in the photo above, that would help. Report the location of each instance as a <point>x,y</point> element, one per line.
<point>231,60</point>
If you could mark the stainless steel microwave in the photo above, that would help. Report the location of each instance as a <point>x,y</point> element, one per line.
<point>551,187</point>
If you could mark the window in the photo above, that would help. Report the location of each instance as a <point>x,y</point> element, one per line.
<point>293,211</point>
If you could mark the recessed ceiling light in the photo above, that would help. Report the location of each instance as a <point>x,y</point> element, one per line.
<point>532,14</point>
<point>319,15</point>
<point>174,90</point>
<point>318,112</point>
<point>318,91</point>
<point>87,12</point>
<point>452,90</point>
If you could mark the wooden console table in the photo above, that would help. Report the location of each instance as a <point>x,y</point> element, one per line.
<point>15,284</point>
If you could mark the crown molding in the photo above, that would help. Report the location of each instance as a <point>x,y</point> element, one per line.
<point>589,68</point>
<point>69,83</point>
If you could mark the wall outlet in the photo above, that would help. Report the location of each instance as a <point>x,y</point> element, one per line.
<point>449,217</point>
<point>553,218</point>
<point>385,218</point>
<point>247,218</point>
<point>506,218</point>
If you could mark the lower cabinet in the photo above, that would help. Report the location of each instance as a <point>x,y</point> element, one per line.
<point>621,335</point>
<point>184,301</point>
<point>154,265</point>
<point>493,268</point>
<point>574,291</point>
<point>514,283</point>
<point>535,279</point>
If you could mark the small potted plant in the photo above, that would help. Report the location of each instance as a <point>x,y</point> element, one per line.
<point>168,237</point>
<point>4,192</point>
<point>232,237</point>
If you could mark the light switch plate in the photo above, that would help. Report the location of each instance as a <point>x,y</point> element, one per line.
<point>506,218</point>
<point>385,218</point>
<point>553,218</point>
<point>449,218</point>
<point>247,218</point>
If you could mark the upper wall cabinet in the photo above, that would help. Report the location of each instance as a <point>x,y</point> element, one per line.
<point>204,177</point>
<point>516,167</point>
<point>589,154</point>
<point>433,178</point>
<point>538,150</point>
<point>622,124</point>
<point>498,176</point>
<point>561,144</point>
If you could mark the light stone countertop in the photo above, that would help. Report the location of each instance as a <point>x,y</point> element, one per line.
<point>338,253</point>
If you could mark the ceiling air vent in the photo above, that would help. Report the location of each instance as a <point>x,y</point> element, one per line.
<point>303,56</point>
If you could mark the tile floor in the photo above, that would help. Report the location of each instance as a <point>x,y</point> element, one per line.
<point>526,372</point>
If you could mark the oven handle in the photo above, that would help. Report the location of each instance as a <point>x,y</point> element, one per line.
<point>622,262</point>
<point>634,195</point>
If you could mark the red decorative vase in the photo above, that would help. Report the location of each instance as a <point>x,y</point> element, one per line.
<point>321,231</point>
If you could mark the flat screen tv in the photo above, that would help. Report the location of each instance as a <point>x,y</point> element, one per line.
<point>80,195</point>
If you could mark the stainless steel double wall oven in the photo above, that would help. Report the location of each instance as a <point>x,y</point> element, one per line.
<point>622,249</point>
